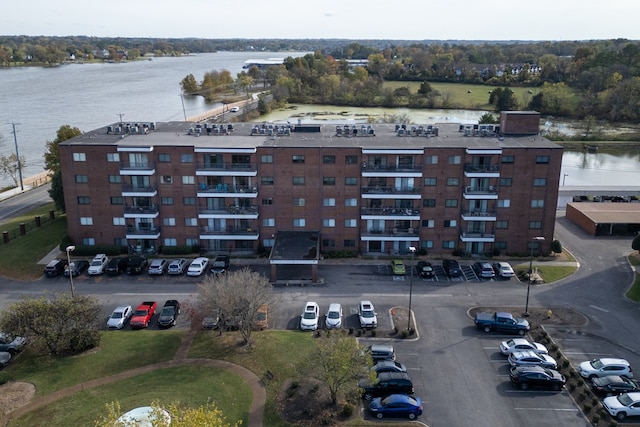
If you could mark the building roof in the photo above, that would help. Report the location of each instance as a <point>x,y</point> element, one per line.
<point>609,213</point>
<point>296,247</point>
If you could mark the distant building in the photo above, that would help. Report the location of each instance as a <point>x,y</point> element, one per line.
<point>369,189</point>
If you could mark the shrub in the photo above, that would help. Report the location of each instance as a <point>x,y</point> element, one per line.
<point>347,410</point>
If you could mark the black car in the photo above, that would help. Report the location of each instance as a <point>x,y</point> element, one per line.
<point>220,264</point>
<point>425,269</point>
<point>136,264</point>
<point>117,265</point>
<point>55,267</point>
<point>388,366</point>
<point>386,384</point>
<point>76,268</point>
<point>527,377</point>
<point>614,384</point>
<point>451,267</point>
<point>169,314</point>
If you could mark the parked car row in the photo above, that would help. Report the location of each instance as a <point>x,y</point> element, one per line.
<point>453,269</point>
<point>310,317</point>
<point>142,315</point>
<point>10,347</point>
<point>531,365</point>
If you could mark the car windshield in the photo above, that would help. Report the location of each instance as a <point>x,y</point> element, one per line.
<point>596,364</point>
<point>368,313</point>
<point>333,315</point>
<point>116,315</point>
<point>261,316</point>
<point>96,263</point>
<point>625,400</point>
<point>141,312</point>
<point>309,315</point>
<point>167,311</point>
<point>511,343</point>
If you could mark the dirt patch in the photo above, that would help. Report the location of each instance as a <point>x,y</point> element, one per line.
<point>14,395</point>
<point>304,402</point>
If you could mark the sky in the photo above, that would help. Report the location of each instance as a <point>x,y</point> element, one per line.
<point>328,19</point>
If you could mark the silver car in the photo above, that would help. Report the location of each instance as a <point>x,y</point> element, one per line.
<point>177,266</point>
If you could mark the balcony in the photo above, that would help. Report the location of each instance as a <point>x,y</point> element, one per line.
<point>231,211</point>
<point>390,213</point>
<point>481,171</point>
<point>137,168</point>
<point>228,233</point>
<point>477,236</point>
<point>378,192</point>
<point>391,234</point>
<point>479,215</point>
<point>226,169</point>
<point>143,232</point>
<point>225,190</point>
<point>481,193</point>
<point>129,190</point>
<point>391,170</point>
<point>141,211</point>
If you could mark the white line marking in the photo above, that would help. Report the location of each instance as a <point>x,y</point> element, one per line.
<point>599,308</point>
<point>547,409</point>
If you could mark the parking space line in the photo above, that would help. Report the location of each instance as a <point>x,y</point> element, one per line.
<point>547,409</point>
<point>599,308</point>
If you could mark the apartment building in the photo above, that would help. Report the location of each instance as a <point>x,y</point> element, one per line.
<point>372,189</point>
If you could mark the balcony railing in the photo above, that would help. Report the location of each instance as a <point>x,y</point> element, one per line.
<point>390,190</point>
<point>153,209</point>
<point>142,230</point>
<point>225,166</point>
<point>128,188</point>
<point>479,213</point>
<point>490,189</point>
<point>477,235</point>
<point>226,188</point>
<point>388,232</point>
<point>471,168</point>
<point>244,231</point>
<point>390,211</point>
<point>390,168</point>
<point>141,166</point>
<point>230,210</point>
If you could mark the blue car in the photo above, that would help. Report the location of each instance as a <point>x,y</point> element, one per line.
<point>396,405</point>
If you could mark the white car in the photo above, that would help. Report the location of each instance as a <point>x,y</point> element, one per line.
<point>98,264</point>
<point>177,266</point>
<point>157,267</point>
<point>605,366</point>
<point>521,344</point>
<point>367,315</point>
<point>11,344</point>
<point>334,316</point>
<point>234,109</point>
<point>119,317</point>
<point>198,266</point>
<point>623,406</point>
<point>528,358</point>
<point>309,317</point>
<point>5,358</point>
<point>503,269</point>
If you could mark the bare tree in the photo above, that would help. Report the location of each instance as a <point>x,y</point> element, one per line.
<point>9,166</point>
<point>235,297</point>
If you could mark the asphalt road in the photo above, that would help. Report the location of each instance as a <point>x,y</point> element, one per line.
<point>24,202</point>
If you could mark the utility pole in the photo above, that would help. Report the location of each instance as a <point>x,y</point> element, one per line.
<point>121,114</point>
<point>15,140</point>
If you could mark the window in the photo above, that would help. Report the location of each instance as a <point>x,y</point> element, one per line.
<point>350,181</point>
<point>506,182</point>
<point>502,224</point>
<point>539,182</point>
<point>266,158</point>
<point>188,179</point>
<point>329,180</point>
<point>500,245</point>
<point>535,225</point>
<point>191,241</point>
<point>299,222</point>
<point>508,159</point>
<point>171,242</point>
<point>86,220</point>
<point>88,241</point>
<point>266,180</point>
<point>189,201</point>
<point>427,244</point>
<point>84,200</point>
<point>504,203</point>
<point>120,242</point>
<point>297,159</point>
<point>430,182</point>
<point>451,203</point>
<point>329,243</point>
<point>537,203</point>
<point>79,157</point>
<point>349,243</point>
<point>329,160</point>
<point>298,180</point>
<point>267,202</point>
<point>268,222</point>
<point>455,160</point>
<point>191,222</point>
<point>453,181</point>
<point>82,179</point>
<point>164,158</point>
<point>166,200</point>
<point>448,244</point>
<point>328,202</point>
<point>350,223</point>
<point>350,160</point>
<point>428,223</point>
<point>169,222</point>
<point>542,159</point>
<point>186,158</point>
<point>351,202</point>
<point>298,202</point>
<point>117,200</point>
<point>167,179</point>
<point>449,223</point>
<point>113,157</point>
<point>118,221</point>
<point>268,243</point>
<point>429,203</point>
<point>329,222</point>
<point>430,160</point>
<point>115,179</point>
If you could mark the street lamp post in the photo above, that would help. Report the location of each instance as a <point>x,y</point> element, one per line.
<point>413,251</point>
<point>526,306</point>
<point>69,250</point>
<point>564,177</point>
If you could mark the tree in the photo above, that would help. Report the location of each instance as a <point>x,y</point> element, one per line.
<point>52,163</point>
<point>9,166</point>
<point>56,324</point>
<point>635,244</point>
<point>236,297</point>
<point>180,416</point>
<point>338,361</point>
<point>189,84</point>
<point>488,118</point>
<point>556,246</point>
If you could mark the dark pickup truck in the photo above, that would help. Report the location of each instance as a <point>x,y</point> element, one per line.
<point>169,314</point>
<point>501,322</point>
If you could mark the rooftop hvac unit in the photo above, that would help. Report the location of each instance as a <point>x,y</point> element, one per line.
<point>109,129</point>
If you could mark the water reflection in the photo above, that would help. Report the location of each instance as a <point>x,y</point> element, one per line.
<point>600,169</point>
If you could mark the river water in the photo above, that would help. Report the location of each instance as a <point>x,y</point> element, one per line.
<point>88,96</point>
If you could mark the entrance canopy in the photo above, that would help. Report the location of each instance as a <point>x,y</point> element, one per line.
<point>296,248</point>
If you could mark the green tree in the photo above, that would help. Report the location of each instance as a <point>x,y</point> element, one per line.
<point>52,163</point>
<point>189,84</point>
<point>56,324</point>
<point>9,166</point>
<point>556,246</point>
<point>556,99</point>
<point>503,99</point>
<point>172,415</point>
<point>488,118</point>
